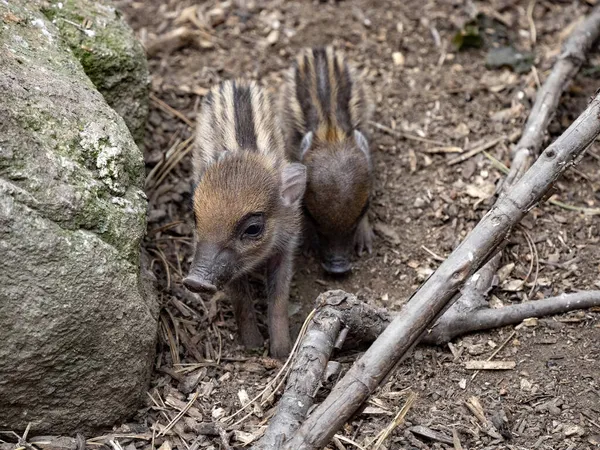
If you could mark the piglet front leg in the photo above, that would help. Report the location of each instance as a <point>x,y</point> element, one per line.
<point>245,316</point>
<point>279,275</point>
<point>363,239</point>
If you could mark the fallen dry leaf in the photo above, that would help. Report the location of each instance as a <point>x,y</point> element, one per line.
<point>387,232</point>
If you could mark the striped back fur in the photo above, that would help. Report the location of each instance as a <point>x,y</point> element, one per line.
<point>237,116</point>
<point>325,110</point>
<point>324,94</point>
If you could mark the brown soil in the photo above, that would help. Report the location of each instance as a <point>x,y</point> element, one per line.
<point>551,400</point>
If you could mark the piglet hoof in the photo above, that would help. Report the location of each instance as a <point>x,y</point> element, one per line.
<point>251,338</point>
<point>363,239</point>
<point>305,249</point>
<point>280,350</point>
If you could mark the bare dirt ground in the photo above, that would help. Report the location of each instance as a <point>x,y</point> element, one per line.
<point>422,206</point>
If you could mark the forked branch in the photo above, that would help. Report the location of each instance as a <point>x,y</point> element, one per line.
<point>435,294</point>
<point>573,55</point>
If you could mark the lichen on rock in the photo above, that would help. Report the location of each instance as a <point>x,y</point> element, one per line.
<point>97,145</point>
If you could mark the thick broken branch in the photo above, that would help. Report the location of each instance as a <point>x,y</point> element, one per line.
<point>430,300</point>
<point>575,49</point>
<point>337,311</point>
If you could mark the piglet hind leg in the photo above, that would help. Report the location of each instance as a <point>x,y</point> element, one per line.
<point>309,243</point>
<point>279,274</point>
<point>363,239</point>
<point>245,316</point>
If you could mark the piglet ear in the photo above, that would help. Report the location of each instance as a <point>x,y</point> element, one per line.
<point>305,144</point>
<point>293,183</point>
<point>363,144</point>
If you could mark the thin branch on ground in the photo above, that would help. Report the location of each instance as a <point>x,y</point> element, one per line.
<point>405,135</point>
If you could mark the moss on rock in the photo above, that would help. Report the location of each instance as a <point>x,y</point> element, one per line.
<point>110,55</point>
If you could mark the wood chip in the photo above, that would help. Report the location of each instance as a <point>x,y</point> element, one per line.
<point>374,410</point>
<point>387,232</point>
<point>456,440</point>
<point>475,407</point>
<point>412,160</point>
<point>431,434</point>
<point>490,365</point>
<point>398,58</point>
<point>273,37</point>
<point>531,322</point>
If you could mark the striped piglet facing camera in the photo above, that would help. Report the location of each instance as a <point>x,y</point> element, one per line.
<point>246,206</point>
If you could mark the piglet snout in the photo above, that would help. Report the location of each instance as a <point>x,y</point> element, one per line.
<point>337,266</point>
<point>199,285</point>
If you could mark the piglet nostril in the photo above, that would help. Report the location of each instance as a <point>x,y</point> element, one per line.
<point>199,285</point>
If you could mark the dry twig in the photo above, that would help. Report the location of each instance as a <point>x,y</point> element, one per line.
<point>395,422</point>
<point>169,109</point>
<point>474,151</point>
<point>404,135</point>
<point>532,31</point>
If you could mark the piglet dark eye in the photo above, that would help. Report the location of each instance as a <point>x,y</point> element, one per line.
<point>254,227</point>
<point>253,231</point>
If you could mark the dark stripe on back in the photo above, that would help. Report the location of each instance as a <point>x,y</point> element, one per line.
<point>360,94</point>
<point>208,99</point>
<point>323,85</point>
<point>344,95</point>
<point>244,119</point>
<point>303,86</point>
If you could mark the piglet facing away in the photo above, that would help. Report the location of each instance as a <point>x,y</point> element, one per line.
<point>325,109</point>
<point>246,202</point>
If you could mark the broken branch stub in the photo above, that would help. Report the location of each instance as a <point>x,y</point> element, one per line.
<point>487,318</point>
<point>431,299</point>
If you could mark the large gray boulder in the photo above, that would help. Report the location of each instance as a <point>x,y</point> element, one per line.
<point>77,316</point>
